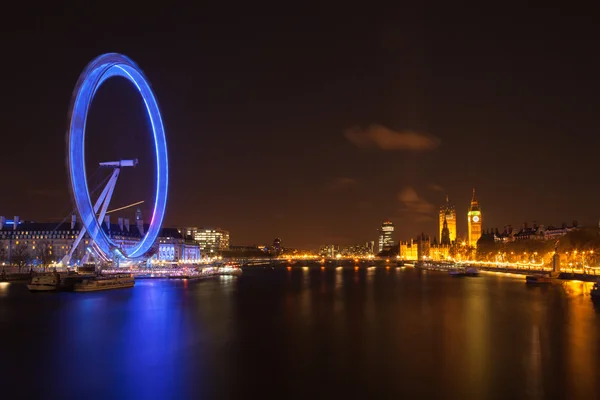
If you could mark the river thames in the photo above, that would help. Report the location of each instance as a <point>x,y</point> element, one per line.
<point>305,333</point>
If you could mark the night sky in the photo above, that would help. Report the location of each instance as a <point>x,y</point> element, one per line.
<point>315,125</point>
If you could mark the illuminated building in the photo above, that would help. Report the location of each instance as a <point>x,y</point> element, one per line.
<point>439,252</point>
<point>474,222</point>
<point>536,232</point>
<point>277,245</point>
<point>423,247</point>
<point>448,213</point>
<point>29,237</point>
<point>445,237</point>
<point>60,237</point>
<point>355,251</point>
<point>386,233</point>
<point>329,250</point>
<point>212,240</point>
<point>370,247</point>
<point>408,250</point>
<point>189,231</point>
<point>173,247</point>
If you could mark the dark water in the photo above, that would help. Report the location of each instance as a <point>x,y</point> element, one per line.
<point>304,334</point>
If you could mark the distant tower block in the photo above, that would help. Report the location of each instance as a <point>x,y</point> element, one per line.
<point>474,221</point>
<point>448,212</point>
<point>277,245</point>
<point>139,221</point>
<point>386,236</point>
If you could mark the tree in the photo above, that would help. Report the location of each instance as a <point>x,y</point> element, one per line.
<point>44,253</point>
<point>523,249</point>
<point>2,253</point>
<point>20,256</point>
<point>580,239</point>
<point>486,247</point>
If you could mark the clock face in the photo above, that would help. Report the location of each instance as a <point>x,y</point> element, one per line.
<point>476,218</point>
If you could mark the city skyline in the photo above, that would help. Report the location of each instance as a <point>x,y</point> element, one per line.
<point>317,135</point>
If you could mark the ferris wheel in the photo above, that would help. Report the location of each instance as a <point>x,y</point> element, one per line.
<point>97,72</point>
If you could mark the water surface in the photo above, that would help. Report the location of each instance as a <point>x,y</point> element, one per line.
<point>301,333</point>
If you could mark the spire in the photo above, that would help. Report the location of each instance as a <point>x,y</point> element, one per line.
<point>447,199</point>
<point>445,239</point>
<point>474,203</point>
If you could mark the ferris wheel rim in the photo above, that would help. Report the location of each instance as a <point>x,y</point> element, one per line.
<point>94,75</point>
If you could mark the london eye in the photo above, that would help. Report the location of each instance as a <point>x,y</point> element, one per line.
<point>92,213</point>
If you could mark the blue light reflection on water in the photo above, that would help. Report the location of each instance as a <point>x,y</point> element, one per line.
<point>147,342</point>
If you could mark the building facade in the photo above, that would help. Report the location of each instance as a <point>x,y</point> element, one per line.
<point>386,236</point>
<point>44,243</point>
<point>445,240</point>
<point>277,247</point>
<point>174,247</point>
<point>474,222</point>
<point>423,247</point>
<point>31,243</point>
<point>408,250</point>
<point>212,240</point>
<point>448,214</point>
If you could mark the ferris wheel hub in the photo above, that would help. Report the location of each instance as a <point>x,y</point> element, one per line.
<point>119,164</point>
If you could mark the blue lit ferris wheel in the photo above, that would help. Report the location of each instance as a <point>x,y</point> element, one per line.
<point>97,72</point>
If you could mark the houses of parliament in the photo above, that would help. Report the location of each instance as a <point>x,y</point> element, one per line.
<point>447,223</point>
<point>440,249</point>
<point>447,227</point>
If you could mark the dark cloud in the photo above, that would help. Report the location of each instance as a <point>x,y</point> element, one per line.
<point>378,136</point>
<point>341,184</point>
<point>436,188</point>
<point>412,205</point>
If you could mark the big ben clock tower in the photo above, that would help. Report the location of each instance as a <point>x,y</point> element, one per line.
<point>474,221</point>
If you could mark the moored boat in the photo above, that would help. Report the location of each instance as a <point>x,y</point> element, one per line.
<point>44,283</point>
<point>230,269</point>
<point>118,281</point>
<point>456,273</point>
<point>471,271</point>
<point>538,280</point>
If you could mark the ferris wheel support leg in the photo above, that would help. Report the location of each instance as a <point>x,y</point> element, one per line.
<point>110,186</point>
<point>103,199</point>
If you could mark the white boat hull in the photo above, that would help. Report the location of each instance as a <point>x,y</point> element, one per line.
<point>92,288</point>
<point>41,288</point>
<point>104,283</point>
<point>44,283</point>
